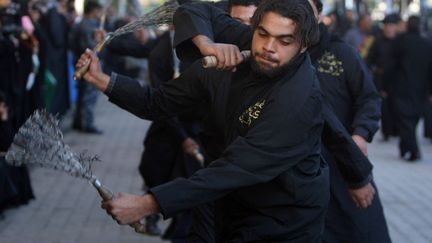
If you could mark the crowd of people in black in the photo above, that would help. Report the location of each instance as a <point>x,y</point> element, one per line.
<point>364,76</point>
<point>38,42</point>
<point>398,54</point>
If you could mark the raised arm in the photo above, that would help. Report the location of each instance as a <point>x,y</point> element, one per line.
<point>168,100</point>
<point>203,29</point>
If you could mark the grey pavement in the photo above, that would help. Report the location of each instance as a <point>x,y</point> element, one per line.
<point>67,209</point>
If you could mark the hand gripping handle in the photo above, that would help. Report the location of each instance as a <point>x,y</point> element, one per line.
<point>106,195</point>
<point>211,61</point>
<point>79,73</point>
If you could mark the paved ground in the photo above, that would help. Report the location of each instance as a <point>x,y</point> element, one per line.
<point>67,209</point>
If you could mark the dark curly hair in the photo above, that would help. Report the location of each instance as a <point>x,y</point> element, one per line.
<point>300,11</point>
<point>243,3</point>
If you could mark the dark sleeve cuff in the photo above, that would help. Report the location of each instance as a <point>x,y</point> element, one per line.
<point>111,83</point>
<point>169,198</point>
<point>363,133</point>
<point>360,184</point>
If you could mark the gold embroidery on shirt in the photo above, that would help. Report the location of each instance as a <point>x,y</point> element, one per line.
<point>329,64</point>
<point>252,113</point>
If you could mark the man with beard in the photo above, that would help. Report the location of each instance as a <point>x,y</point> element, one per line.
<point>270,180</point>
<point>347,86</point>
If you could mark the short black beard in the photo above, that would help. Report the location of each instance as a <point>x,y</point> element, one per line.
<point>270,73</point>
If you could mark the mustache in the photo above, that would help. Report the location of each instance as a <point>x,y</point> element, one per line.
<point>266,56</point>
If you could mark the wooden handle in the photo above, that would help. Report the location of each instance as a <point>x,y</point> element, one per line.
<point>79,73</point>
<point>106,195</point>
<point>211,61</point>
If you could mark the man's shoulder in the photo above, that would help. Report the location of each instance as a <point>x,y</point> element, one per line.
<point>301,86</point>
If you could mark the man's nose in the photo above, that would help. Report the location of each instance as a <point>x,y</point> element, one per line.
<point>269,45</point>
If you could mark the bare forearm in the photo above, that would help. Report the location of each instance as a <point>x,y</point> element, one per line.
<point>201,41</point>
<point>101,81</point>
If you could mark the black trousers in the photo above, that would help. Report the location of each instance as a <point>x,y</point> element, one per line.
<point>428,120</point>
<point>388,123</point>
<point>407,125</point>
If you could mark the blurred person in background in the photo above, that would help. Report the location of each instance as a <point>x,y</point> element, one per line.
<point>17,47</point>
<point>345,22</point>
<point>347,85</point>
<point>15,186</point>
<point>8,190</point>
<point>170,144</point>
<point>56,27</point>
<point>378,59</point>
<point>408,82</point>
<point>83,37</point>
<point>242,10</point>
<point>360,36</point>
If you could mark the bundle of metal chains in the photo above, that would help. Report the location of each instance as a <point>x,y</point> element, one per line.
<point>39,142</point>
<point>158,16</point>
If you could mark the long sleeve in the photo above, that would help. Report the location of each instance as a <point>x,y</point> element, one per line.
<point>198,18</point>
<point>353,165</point>
<point>168,100</point>
<point>277,142</point>
<point>194,19</point>
<point>56,28</point>
<point>367,102</point>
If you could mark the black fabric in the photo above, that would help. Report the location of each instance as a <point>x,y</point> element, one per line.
<point>269,189</point>
<point>15,186</point>
<point>165,136</point>
<point>351,95</point>
<point>349,90</point>
<point>15,66</point>
<point>356,103</point>
<point>428,120</point>
<point>388,118</point>
<point>163,158</point>
<point>410,75</point>
<point>8,190</point>
<point>203,19</point>
<point>55,25</point>
<point>378,59</point>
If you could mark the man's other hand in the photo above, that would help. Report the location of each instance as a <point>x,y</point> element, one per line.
<point>363,196</point>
